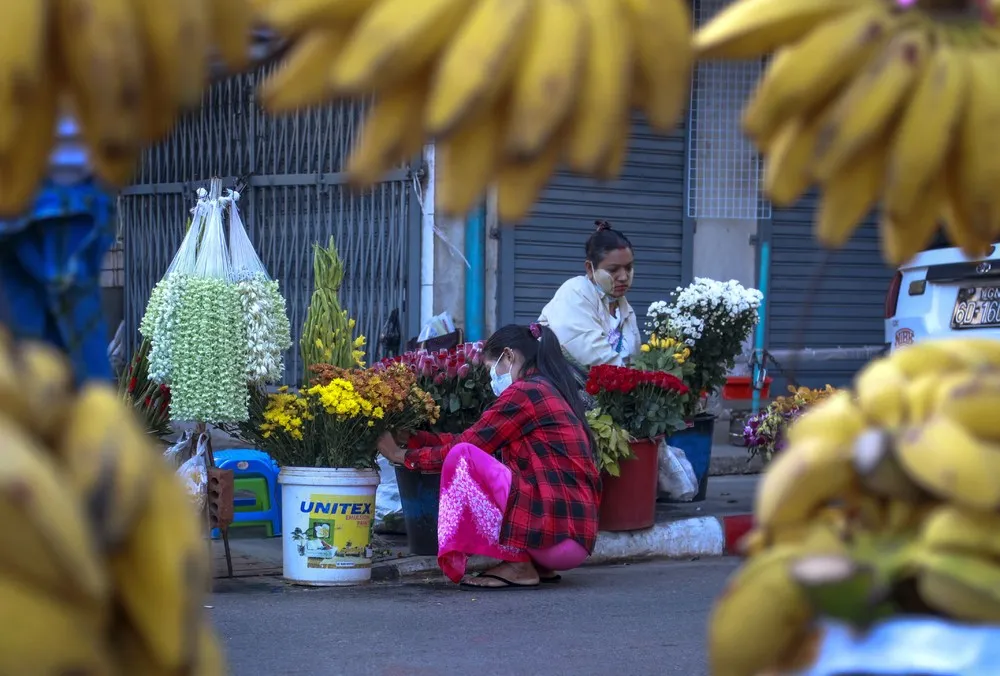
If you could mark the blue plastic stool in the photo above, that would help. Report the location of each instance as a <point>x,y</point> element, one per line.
<point>251,462</point>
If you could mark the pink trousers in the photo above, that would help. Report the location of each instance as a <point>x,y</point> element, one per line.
<point>475,487</point>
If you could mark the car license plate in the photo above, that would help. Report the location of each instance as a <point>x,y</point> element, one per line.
<point>977,308</point>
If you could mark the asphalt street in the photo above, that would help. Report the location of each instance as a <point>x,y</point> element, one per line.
<point>644,619</point>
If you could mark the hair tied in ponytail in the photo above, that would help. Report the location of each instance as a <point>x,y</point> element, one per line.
<point>536,331</point>
<point>602,226</point>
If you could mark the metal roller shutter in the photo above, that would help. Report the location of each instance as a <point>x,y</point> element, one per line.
<point>646,204</point>
<point>848,307</point>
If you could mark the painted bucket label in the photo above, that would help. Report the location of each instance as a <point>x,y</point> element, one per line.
<point>335,531</point>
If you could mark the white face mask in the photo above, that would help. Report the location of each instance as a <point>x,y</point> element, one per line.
<point>499,382</point>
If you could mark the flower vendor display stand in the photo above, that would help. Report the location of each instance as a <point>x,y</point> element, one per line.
<point>628,502</point>
<point>419,492</point>
<point>327,518</point>
<point>696,442</point>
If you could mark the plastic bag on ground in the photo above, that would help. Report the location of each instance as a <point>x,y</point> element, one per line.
<point>194,474</point>
<point>387,495</point>
<point>677,479</point>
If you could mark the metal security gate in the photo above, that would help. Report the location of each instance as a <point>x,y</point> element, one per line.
<point>295,195</point>
<point>847,310</point>
<point>646,203</point>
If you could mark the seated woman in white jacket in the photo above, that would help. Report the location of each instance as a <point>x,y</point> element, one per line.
<point>589,313</point>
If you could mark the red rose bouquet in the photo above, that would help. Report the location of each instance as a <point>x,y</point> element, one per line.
<point>648,404</point>
<point>457,379</point>
<point>150,400</point>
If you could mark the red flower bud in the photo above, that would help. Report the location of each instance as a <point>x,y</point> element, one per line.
<point>131,385</point>
<point>463,371</point>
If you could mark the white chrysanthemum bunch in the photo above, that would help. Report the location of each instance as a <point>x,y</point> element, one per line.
<point>713,318</point>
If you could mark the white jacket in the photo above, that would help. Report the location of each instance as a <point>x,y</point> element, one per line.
<point>580,316</point>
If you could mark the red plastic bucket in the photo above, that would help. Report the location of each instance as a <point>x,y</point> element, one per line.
<point>628,502</point>
<point>741,388</point>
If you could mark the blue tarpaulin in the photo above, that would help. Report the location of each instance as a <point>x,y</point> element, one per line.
<point>50,267</point>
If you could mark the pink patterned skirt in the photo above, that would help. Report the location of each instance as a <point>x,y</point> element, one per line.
<point>475,487</point>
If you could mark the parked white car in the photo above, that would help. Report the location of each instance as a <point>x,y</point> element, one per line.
<point>942,293</point>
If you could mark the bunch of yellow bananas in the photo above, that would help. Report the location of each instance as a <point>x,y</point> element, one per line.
<point>886,501</point>
<point>123,69</point>
<point>876,101</point>
<point>103,563</point>
<point>507,88</point>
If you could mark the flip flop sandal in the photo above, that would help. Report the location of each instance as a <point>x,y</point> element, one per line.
<point>551,580</point>
<point>507,584</point>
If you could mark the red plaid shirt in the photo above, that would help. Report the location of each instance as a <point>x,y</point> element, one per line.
<point>555,490</point>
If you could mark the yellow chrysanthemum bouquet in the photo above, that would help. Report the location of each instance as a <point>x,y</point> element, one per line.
<point>335,420</point>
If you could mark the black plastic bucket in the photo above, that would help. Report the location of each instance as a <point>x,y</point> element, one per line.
<point>419,493</point>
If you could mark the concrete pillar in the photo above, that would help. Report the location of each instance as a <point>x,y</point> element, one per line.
<point>492,290</point>
<point>449,269</point>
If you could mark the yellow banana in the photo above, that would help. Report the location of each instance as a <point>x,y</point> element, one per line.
<point>466,162</point>
<point>976,353</point>
<point>47,543</point>
<point>303,79</point>
<point>662,33</point>
<point>156,568</point>
<point>232,23</point>
<point>836,419</point>
<point>925,357</point>
<point>881,392</point>
<point>864,112</point>
<point>801,480</point>
<point>478,63</point>
<point>952,529</point>
<point>395,39</point>
<point>392,132</point>
<point>922,397</point>
<point>849,195</point>
<point>106,79</point>
<point>909,233</point>
<point>134,657</point>
<point>787,174</point>
<point>965,588</point>
<point>45,390</point>
<point>968,474</point>
<point>603,104</point>
<point>31,620</point>
<point>978,149</point>
<point>762,589</point>
<point>291,17</point>
<point>520,183</point>
<point>23,33</point>
<point>925,134</point>
<point>806,74</point>
<point>25,164</point>
<point>106,464</point>
<point>749,29</point>
<point>548,78</point>
<point>973,406</point>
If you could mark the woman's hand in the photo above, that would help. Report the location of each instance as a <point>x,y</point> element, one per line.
<point>388,447</point>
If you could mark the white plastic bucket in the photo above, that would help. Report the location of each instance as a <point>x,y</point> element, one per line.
<point>327,518</point>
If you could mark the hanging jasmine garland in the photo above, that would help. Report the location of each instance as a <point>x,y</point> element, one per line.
<point>215,327</point>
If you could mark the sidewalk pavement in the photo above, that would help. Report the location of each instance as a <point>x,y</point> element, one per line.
<point>682,531</point>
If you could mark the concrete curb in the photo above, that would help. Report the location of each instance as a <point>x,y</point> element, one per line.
<point>681,539</point>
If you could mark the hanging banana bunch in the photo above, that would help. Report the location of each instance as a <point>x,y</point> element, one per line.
<point>880,103</point>
<point>508,89</point>
<point>124,69</point>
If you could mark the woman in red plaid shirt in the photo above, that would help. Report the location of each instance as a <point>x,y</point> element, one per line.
<point>535,508</point>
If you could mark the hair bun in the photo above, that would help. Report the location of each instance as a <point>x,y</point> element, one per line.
<point>602,226</point>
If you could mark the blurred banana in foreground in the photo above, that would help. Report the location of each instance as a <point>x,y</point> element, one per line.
<point>123,69</point>
<point>885,501</point>
<point>104,564</point>
<point>531,84</point>
<point>901,91</point>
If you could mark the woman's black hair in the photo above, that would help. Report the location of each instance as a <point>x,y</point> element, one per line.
<point>605,240</point>
<point>543,354</point>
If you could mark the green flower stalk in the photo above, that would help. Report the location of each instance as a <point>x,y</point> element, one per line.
<point>328,333</point>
